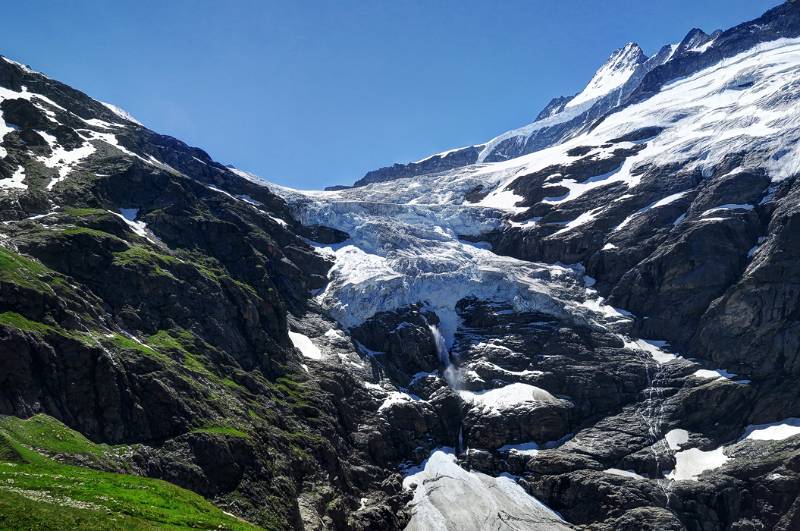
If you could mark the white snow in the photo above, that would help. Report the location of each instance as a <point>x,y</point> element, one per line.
<point>442,154</point>
<point>623,473</point>
<point>16,181</point>
<point>447,497</point>
<point>62,159</point>
<point>26,68</point>
<point>652,347</point>
<point>583,219</point>
<point>773,431</point>
<point>689,464</point>
<point>122,113</point>
<point>401,254</point>
<point>702,47</point>
<point>279,221</point>
<point>306,347</point>
<point>661,202</point>
<point>597,305</point>
<point>128,215</point>
<point>505,200</point>
<point>708,374</point>
<point>335,335</point>
<point>529,448</point>
<point>487,365</point>
<point>617,70</point>
<point>509,396</point>
<point>723,208</point>
<point>676,438</point>
<point>397,397</point>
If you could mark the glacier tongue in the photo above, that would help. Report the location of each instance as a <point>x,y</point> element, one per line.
<point>400,255</point>
<point>448,497</point>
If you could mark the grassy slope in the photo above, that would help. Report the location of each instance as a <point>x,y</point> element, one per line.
<point>40,493</point>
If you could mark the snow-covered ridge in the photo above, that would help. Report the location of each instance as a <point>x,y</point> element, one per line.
<point>613,74</point>
<point>122,113</point>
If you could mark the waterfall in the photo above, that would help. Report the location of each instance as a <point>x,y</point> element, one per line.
<point>441,345</point>
<point>652,413</point>
<point>451,373</point>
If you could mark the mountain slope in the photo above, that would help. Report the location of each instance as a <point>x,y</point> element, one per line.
<point>596,333</point>
<point>146,293</point>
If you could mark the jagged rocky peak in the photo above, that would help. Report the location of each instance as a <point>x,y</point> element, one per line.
<point>616,71</point>
<point>697,41</point>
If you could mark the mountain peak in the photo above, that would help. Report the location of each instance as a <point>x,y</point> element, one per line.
<point>697,40</point>
<point>617,69</point>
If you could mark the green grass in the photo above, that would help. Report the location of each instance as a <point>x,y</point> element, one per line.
<point>18,321</point>
<point>17,269</point>
<point>226,431</point>
<point>38,493</point>
<point>75,231</point>
<point>86,212</point>
<point>182,344</point>
<point>23,323</point>
<point>290,390</point>
<point>46,433</point>
<point>139,256</point>
<point>125,343</point>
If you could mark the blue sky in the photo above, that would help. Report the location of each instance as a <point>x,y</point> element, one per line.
<point>309,94</point>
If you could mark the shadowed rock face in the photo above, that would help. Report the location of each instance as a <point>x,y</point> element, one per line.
<point>602,334</point>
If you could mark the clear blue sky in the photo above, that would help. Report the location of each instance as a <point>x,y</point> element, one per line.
<point>309,94</point>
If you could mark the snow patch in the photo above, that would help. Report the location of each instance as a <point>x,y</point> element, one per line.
<point>708,374</point>
<point>306,347</point>
<point>676,438</point>
<point>122,113</point>
<point>507,397</point>
<point>654,348</point>
<point>397,397</point>
<point>529,448</point>
<point>16,181</point>
<point>773,431</point>
<point>128,215</point>
<point>623,473</point>
<point>689,464</point>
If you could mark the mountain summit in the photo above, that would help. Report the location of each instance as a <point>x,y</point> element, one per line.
<point>619,68</point>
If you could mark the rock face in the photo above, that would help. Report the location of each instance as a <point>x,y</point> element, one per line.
<point>600,335</point>
<point>448,160</point>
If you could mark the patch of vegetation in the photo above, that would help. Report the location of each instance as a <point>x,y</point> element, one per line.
<point>76,231</point>
<point>208,266</point>
<point>17,269</point>
<point>290,390</point>
<point>23,323</point>
<point>86,212</point>
<point>8,453</point>
<point>48,434</point>
<point>126,343</point>
<point>182,344</point>
<point>38,493</point>
<point>226,431</point>
<point>139,256</point>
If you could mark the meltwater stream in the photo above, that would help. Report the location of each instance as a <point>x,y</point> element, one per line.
<point>451,372</point>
